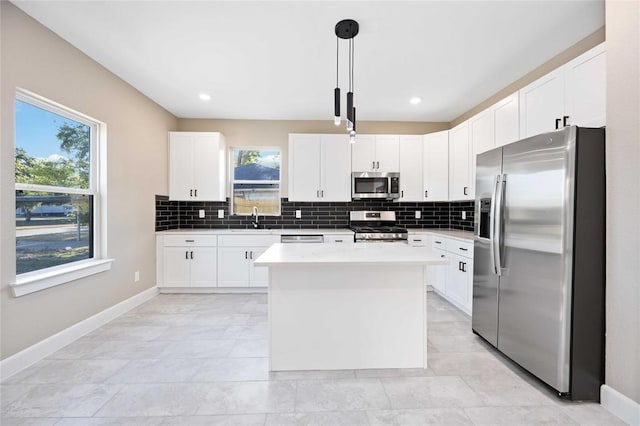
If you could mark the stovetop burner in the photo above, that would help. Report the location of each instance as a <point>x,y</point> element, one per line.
<point>376,226</point>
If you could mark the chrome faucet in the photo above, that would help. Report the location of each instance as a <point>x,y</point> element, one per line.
<point>254,213</point>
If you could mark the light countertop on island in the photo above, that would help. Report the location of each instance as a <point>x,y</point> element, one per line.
<point>351,254</point>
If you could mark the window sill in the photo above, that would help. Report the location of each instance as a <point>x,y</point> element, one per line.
<point>40,280</point>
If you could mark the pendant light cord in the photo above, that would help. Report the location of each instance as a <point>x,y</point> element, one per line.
<point>352,60</point>
<point>337,59</point>
<point>350,65</point>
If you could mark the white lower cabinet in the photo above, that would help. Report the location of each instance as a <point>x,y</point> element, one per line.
<point>236,255</point>
<point>186,261</point>
<point>454,281</point>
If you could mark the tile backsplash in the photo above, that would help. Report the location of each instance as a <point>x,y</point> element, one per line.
<point>184,214</point>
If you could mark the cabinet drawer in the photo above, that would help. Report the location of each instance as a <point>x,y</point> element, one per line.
<point>419,240</point>
<point>190,240</point>
<point>338,238</point>
<point>462,248</point>
<point>248,240</point>
<point>439,242</point>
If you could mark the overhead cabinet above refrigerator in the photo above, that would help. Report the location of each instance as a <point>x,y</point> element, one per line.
<point>539,251</point>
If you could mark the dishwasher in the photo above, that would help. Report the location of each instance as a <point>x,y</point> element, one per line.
<point>301,239</point>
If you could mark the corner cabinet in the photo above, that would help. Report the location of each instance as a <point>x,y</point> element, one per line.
<point>460,163</point>
<point>197,166</point>
<point>186,260</point>
<point>436,166</point>
<point>319,167</point>
<point>411,168</point>
<point>376,153</point>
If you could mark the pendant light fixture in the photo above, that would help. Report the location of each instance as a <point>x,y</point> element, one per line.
<point>346,29</point>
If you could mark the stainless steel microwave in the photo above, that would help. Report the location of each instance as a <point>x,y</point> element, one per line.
<point>375,185</point>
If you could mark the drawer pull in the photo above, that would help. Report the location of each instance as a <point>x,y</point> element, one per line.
<point>438,242</point>
<point>338,241</point>
<point>189,241</point>
<point>463,249</point>
<point>417,240</point>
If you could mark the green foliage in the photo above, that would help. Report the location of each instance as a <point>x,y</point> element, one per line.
<point>75,140</point>
<point>246,157</point>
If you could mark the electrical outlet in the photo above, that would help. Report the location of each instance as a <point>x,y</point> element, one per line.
<point>464,215</point>
<point>221,214</point>
<point>201,213</point>
<point>418,214</point>
<point>298,214</point>
<point>136,276</point>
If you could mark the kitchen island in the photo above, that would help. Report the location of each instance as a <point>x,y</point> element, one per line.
<point>356,306</point>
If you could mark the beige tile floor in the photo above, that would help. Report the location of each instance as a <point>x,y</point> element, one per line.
<point>201,360</point>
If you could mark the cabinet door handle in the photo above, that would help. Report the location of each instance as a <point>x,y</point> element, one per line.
<point>195,192</point>
<point>426,194</point>
<point>317,193</point>
<point>186,254</point>
<point>191,255</point>
<point>377,164</point>
<point>557,123</point>
<point>250,255</point>
<point>464,191</point>
<point>402,194</point>
<point>565,121</point>
<point>322,193</point>
<point>246,255</point>
<point>373,164</point>
<point>459,266</point>
<point>191,193</point>
<point>464,266</point>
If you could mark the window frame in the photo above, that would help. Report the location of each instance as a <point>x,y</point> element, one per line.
<point>233,181</point>
<point>32,281</point>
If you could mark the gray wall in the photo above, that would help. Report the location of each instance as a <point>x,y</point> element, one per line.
<point>37,60</point>
<point>623,197</point>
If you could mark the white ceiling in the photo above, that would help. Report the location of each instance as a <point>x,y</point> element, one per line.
<point>276,60</point>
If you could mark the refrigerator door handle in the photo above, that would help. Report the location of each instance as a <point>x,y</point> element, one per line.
<point>492,227</point>
<point>498,238</point>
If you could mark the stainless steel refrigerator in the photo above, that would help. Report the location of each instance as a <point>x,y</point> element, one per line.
<point>539,257</point>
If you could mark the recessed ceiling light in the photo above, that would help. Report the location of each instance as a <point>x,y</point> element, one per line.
<point>205,97</point>
<point>415,100</point>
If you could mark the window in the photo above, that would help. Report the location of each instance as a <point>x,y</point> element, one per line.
<point>256,181</point>
<point>57,192</point>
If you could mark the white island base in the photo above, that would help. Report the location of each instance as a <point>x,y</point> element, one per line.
<point>356,309</point>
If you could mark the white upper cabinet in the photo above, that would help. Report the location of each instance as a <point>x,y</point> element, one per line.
<point>411,168</point>
<point>436,166</point>
<point>376,153</point>
<point>586,99</point>
<point>319,167</point>
<point>574,94</point>
<point>481,132</point>
<point>542,104</point>
<point>335,170</point>
<point>459,163</point>
<point>506,120</point>
<point>197,166</point>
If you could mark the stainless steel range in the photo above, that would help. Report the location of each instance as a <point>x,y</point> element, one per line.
<point>376,226</point>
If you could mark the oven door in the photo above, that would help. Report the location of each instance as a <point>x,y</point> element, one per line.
<point>370,185</point>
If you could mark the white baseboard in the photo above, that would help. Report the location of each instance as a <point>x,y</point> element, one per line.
<point>44,348</point>
<point>206,290</point>
<point>620,405</point>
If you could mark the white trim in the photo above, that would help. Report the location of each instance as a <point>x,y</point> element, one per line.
<point>31,282</point>
<point>44,348</point>
<point>203,290</point>
<point>55,189</point>
<point>620,405</point>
